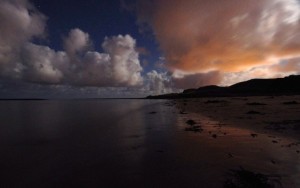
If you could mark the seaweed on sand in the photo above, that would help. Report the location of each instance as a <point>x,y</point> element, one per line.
<point>252,112</point>
<point>290,103</point>
<point>256,104</point>
<point>242,178</point>
<point>193,127</point>
<point>215,101</point>
<point>190,122</point>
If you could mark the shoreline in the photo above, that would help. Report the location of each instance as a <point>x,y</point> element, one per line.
<point>259,134</point>
<point>279,115</point>
<point>105,140</point>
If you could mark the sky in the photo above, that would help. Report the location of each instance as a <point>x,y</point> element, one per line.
<point>135,48</point>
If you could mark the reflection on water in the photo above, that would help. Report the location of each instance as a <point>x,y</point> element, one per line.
<point>122,143</point>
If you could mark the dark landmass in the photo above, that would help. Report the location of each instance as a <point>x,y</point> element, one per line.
<point>22,99</point>
<point>257,87</point>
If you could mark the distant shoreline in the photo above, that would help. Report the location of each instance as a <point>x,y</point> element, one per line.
<point>37,99</point>
<point>257,87</point>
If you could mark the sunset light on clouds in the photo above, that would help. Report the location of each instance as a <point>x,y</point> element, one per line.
<point>239,39</point>
<point>200,42</point>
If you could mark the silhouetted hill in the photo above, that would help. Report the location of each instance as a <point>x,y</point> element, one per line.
<point>257,87</point>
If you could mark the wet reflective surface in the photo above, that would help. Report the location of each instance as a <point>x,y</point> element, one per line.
<point>131,143</point>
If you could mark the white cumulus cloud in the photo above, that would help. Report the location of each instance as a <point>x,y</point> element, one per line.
<point>20,22</point>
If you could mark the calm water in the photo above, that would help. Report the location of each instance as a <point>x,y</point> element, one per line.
<point>129,143</point>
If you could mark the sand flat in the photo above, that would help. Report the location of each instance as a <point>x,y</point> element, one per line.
<point>260,134</point>
<point>278,115</point>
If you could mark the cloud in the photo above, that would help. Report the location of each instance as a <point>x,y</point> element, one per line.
<point>159,82</point>
<point>76,42</point>
<point>166,82</point>
<point>42,64</point>
<point>277,70</point>
<point>125,64</point>
<point>291,66</point>
<point>18,89</point>
<point>197,80</point>
<point>19,23</point>
<point>230,37</point>
<point>204,43</point>
<point>117,66</point>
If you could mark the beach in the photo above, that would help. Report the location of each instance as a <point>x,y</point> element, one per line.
<point>146,143</point>
<point>265,114</point>
<point>258,133</point>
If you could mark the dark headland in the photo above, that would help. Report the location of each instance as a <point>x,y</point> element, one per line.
<point>256,87</point>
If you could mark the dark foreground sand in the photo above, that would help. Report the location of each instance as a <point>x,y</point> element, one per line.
<point>261,134</point>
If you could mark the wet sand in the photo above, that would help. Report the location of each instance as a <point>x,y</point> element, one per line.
<point>260,134</point>
<point>280,114</point>
<point>141,143</point>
